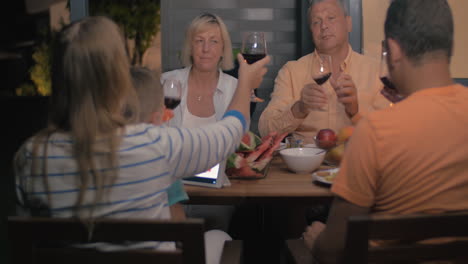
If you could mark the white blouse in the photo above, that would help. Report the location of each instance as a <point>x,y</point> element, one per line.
<point>222,97</point>
<point>189,120</point>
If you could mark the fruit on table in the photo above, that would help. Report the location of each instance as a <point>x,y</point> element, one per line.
<point>249,142</point>
<point>335,155</point>
<point>326,138</point>
<point>253,155</point>
<point>344,134</point>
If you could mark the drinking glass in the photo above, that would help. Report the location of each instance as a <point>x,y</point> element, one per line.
<point>253,49</point>
<point>321,73</point>
<point>323,70</point>
<point>293,142</point>
<point>389,90</point>
<point>172,93</point>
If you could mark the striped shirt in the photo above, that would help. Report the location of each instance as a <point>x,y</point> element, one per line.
<point>150,159</point>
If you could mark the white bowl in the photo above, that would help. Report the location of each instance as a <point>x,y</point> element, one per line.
<point>303,160</point>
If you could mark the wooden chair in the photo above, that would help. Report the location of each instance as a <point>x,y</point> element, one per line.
<point>35,240</point>
<point>361,229</point>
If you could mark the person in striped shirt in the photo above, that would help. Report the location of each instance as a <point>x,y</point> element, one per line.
<point>92,160</point>
<point>152,110</point>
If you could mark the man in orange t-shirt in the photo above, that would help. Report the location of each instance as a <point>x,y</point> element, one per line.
<point>412,157</point>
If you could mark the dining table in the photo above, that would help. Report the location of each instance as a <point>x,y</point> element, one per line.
<point>278,186</point>
<point>269,210</point>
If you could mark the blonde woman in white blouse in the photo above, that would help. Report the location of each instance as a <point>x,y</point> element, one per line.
<point>206,93</point>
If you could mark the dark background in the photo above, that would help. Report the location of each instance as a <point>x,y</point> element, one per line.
<point>20,116</point>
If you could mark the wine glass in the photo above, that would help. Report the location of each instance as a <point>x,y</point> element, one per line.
<point>323,70</point>
<point>321,73</point>
<point>172,93</point>
<point>389,90</point>
<point>253,49</point>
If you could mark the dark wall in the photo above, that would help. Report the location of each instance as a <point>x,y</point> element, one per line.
<point>20,33</point>
<point>22,117</point>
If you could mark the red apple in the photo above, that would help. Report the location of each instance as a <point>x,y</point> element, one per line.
<point>326,138</point>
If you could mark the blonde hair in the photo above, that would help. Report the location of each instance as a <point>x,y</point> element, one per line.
<point>149,90</point>
<point>198,24</point>
<point>92,98</point>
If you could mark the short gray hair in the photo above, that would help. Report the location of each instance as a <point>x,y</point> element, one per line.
<point>341,3</point>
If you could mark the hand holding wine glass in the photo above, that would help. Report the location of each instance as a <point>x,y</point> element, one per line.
<point>253,49</point>
<point>389,90</point>
<point>313,96</point>
<point>172,93</point>
<point>322,72</point>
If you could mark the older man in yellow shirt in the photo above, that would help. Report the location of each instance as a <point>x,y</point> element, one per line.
<point>297,103</point>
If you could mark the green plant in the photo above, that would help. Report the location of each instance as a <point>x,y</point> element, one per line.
<point>138,19</point>
<point>40,72</point>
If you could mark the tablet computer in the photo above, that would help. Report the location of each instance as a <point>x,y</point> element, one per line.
<point>214,177</point>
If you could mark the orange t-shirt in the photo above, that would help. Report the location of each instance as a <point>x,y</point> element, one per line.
<point>412,157</point>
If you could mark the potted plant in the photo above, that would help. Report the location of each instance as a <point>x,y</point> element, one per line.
<point>138,19</point>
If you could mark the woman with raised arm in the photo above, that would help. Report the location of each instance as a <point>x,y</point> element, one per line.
<point>92,161</point>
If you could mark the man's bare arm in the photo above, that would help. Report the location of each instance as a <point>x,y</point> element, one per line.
<point>329,246</point>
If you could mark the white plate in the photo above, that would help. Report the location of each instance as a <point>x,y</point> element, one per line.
<point>319,177</point>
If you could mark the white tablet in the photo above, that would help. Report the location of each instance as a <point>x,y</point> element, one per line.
<point>214,177</point>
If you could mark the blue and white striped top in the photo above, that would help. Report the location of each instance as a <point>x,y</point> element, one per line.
<point>150,159</point>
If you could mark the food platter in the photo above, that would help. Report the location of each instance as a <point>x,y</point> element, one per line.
<point>252,177</point>
<point>325,176</point>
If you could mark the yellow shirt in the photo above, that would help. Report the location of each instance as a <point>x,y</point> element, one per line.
<point>290,81</point>
<point>410,158</point>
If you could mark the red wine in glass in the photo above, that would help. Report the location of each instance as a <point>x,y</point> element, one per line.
<point>253,49</point>
<point>389,91</point>
<point>171,102</point>
<point>251,58</point>
<point>387,83</point>
<point>322,79</point>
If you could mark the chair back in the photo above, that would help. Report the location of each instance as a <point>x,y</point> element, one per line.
<point>406,230</point>
<point>35,240</point>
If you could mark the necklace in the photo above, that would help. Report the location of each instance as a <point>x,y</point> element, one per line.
<point>201,97</point>
<point>196,83</point>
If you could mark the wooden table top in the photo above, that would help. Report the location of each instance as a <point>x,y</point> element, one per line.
<point>279,186</point>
